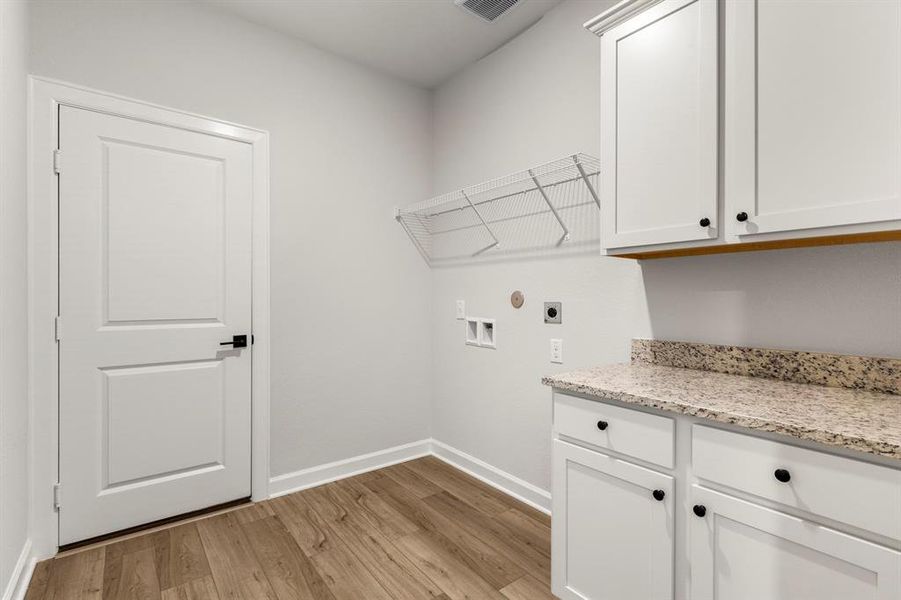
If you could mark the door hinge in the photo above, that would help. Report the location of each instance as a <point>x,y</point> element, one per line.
<point>56,496</point>
<point>57,328</point>
<point>56,161</point>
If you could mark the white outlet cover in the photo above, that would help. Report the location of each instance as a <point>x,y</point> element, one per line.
<point>461,309</point>
<point>557,351</point>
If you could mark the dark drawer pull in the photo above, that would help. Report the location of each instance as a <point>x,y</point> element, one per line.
<point>699,509</point>
<point>602,425</point>
<point>782,475</point>
<point>659,495</point>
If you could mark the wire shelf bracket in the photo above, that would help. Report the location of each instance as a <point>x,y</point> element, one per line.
<point>526,209</point>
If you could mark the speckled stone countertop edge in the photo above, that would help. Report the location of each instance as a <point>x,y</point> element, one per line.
<point>868,446</point>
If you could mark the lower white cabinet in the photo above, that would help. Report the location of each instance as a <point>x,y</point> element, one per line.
<point>612,528</point>
<point>743,551</point>
<point>737,517</point>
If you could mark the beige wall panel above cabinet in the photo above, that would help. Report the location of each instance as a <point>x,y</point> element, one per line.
<point>659,125</point>
<point>813,115</point>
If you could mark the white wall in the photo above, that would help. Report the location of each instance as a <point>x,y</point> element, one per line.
<point>350,301</point>
<point>535,100</point>
<point>14,511</point>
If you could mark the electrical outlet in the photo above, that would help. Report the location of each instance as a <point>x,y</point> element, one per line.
<point>461,309</point>
<point>557,351</point>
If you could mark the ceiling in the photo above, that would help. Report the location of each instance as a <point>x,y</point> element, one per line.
<point>421,41</point>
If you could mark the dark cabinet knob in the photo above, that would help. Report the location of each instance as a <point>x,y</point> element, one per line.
<point>782,475</point>
<point>658,495</point>
<point>741,217</point>
<point>705,222</point>
<point>699,510</point>
<point>602,425</point>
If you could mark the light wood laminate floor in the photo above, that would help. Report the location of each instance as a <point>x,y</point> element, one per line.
<point>420,529</point>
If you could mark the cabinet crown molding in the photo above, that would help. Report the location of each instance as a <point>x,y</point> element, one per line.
<point>616,14</point>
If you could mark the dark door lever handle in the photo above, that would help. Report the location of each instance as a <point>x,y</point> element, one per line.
<point>238,341</point>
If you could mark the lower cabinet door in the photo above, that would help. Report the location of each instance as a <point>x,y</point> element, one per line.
<point>612,528</point>
<point>743,551</point>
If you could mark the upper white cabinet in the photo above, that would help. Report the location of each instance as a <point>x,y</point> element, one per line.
<point>659,125</point>
<point>796,138</point>
<point>813,114</point>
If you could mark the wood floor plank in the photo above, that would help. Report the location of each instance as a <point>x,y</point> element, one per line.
<point>527,588</point>
<point>490,563</point>
<point>527,529</point>
<point>197,589</point>
<point>346,577</point>
<point>252,512</point>
<point>455,577</point>
<point>381,516</point>
<point>418,485</point>
<point>78,576</point>
<point>37,588</point>
<point>481,496</point>
<point>186,557</point>
<point>287,568</point>
<point>139,580</point>
<point>492,531</point>
<point>236,571</point>
<point>307,528</point>
<point>400,577</point>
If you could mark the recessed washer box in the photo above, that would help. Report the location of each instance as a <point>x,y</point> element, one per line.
<point>472,331</point>
<point>481,332</point>
<point>487,333</point>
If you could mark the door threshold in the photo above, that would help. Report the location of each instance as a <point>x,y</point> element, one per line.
<point>109,538</point>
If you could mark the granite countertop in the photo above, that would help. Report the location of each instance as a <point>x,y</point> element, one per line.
<point>862,420</point>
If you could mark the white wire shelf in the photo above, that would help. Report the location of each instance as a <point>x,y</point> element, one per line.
<point>543,207</point>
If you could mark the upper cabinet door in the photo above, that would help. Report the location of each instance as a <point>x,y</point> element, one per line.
<point>813,114</point>
<point>659,125</point>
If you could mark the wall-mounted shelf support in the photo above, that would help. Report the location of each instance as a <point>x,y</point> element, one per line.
<point>547,200</point>
<point>496,242</point>
<point>590,187</point>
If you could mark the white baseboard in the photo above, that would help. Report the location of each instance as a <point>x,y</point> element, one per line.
<point>307,478</point>
<point>511,485</point>
<point>17,586</point>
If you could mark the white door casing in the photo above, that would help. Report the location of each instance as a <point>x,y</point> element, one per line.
<point>659,123</point>
<point>743,551</point>
<point>155,272</point>
<point>813,114</point>
<point>612,539</point>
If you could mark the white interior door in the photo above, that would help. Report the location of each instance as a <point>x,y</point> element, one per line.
<point>742,551</point>
<point>155,272</point>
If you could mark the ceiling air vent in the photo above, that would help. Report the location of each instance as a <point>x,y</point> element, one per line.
<point>487,9</point>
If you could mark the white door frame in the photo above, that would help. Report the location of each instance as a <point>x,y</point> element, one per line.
<point>46,96</point>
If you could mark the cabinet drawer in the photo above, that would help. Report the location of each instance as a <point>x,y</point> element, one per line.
<point>631,432</point>
<point>849,491</point>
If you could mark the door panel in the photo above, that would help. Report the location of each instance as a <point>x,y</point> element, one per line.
<point>159,199</point>
<point>813,102</point>
<point>742,551</point>
<point>155,272</point>
<point>659,116</point>
<point>612,540</point>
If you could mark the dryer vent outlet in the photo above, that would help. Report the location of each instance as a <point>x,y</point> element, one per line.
<point>488,10</point>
